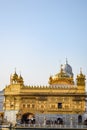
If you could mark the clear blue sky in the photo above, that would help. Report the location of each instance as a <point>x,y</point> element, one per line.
<point>36,36</point>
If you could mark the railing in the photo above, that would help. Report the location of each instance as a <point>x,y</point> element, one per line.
<point>50,126</point>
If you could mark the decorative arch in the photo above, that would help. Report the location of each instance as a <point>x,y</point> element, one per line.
<point>79,118</point>
<point>28,118</point>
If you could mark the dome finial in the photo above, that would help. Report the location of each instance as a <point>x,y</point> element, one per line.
<point>80,70</point>
<point>66,61</point>
<point>61,68</point>
<point>20,73</point>
<point>15,69</point>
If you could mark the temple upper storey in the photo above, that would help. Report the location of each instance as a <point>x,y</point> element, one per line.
<point>63,79</point>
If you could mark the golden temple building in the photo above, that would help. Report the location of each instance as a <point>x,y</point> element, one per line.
<point>62,98</point>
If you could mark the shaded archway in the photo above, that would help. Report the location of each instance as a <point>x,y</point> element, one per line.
<point>85,121</point>
<point>59,121</point>
<point>79,119</point>
<point>28,118</point>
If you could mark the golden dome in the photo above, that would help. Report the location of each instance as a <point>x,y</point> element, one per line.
<point>81,75</point>
<point>81,79</point>
<point>14,76</point>
<point>15,79</point>
<point>20,78</point>
<point>61,78</point>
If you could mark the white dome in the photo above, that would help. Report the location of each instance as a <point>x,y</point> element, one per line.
<point>68,69</point>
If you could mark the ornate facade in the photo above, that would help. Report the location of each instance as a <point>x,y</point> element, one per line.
<point>62,98</point>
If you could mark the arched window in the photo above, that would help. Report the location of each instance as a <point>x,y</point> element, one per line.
<point>59,105</point>
<point>79,119</point>
<point>23,105</point>
<point>28,105</point>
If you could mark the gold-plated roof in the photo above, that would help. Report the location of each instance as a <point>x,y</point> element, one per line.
<point>16,79</point>
<point>62,77</point>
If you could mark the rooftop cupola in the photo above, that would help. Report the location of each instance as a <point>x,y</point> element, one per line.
<point>20,80</point>
<point>81,79</point>
<point>14,78</point>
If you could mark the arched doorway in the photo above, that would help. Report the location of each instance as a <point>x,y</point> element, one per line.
<point>79,119</point>
<point>28,118</point>
<point>59,121</point>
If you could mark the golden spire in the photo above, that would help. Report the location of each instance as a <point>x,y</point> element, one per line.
<point>61,68</point>
<point>80,70</point>
<point>20,73</point>
<point>15,69</point>
<point>81,79</point>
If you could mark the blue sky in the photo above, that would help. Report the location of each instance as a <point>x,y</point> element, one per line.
<point>36,36</point>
